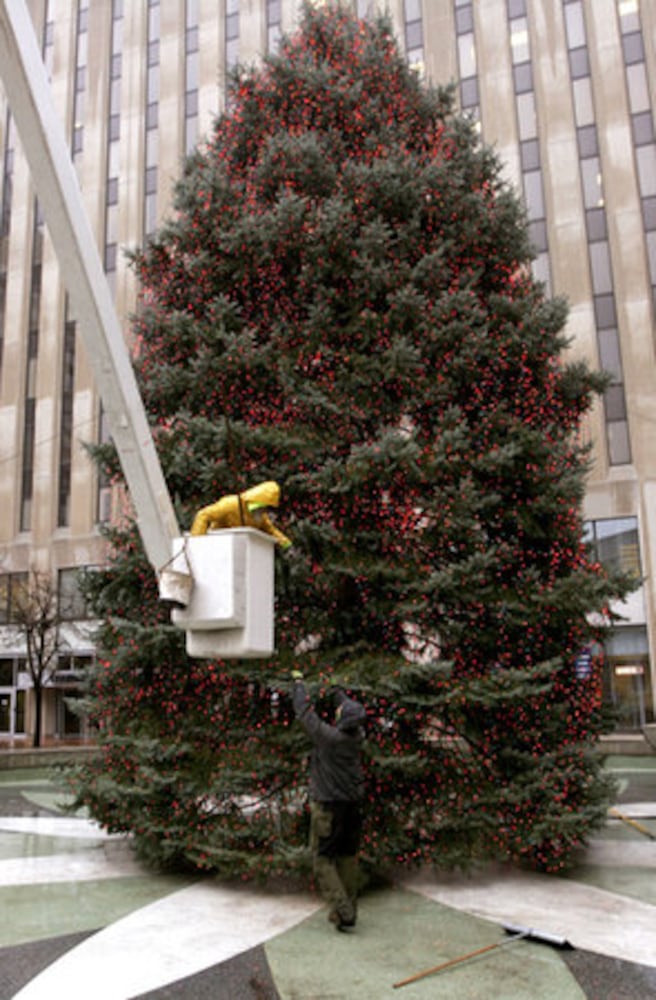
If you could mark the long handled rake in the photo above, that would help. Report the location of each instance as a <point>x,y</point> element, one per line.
<point>631,822</point>
<point>517,933</point>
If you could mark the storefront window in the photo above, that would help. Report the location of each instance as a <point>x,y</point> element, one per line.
<point>627,675</point>
<point>7,673</point>
<point>19,722</point>
<point>616,543</point>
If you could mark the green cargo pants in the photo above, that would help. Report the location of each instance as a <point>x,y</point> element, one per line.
<point>334,840</point>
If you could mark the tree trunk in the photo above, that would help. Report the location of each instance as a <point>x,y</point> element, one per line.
<point>38,691</point>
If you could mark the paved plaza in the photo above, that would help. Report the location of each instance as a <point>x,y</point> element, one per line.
<point>81,918</point>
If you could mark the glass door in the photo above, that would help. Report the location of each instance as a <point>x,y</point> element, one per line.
<point>6,713</point>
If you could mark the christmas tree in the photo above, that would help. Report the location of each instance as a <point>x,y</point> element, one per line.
<point>342,301</point>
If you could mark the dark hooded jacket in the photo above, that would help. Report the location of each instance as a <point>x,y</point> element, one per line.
<point>335,766</point>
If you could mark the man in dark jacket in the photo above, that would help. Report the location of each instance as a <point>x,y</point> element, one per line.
<point>336,790</point>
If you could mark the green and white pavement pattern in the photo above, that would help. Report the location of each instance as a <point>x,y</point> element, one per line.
<point>62,875</point>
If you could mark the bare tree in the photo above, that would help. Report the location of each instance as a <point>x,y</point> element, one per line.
<point>37,615</point>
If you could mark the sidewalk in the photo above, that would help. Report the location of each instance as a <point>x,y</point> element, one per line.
<point>81,918</point>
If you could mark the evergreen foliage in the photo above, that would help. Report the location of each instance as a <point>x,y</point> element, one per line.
<point>342,301</point>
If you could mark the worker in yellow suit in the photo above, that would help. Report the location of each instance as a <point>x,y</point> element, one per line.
<point>250,509</point>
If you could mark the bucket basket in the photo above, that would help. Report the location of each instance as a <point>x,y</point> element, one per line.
<point>175,580</point>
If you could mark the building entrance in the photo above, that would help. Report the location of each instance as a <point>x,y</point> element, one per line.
<point>6,712</point>
<point>12,712</point>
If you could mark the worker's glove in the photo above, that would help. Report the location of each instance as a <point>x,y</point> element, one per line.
<point>297,675</point>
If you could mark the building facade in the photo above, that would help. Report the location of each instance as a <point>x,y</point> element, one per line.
<point>563,89</point>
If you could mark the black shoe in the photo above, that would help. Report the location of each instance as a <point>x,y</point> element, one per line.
<point>340,924</point>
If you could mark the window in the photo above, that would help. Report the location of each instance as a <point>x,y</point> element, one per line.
<point>534,194</point>
<point>595,220</point>
<point>649,213</point>
<point>191,40</point>
<point>67,388</point>
<point>530,154</point>
<point>634,50</point>
<point>619,445</point>
<point>615,403</point>
<point>646,161</point>
<point>467,59</point>
<point>114,128</point>
<point>469,96</point>
<point>605,312</point>
<point>583,102</point>
<point>274,22</point>
<point>523,77</point>
<point>579,64</point>
<point>539,235</point>
<point>609,353</point>
<point>527,116</point>
<point>587,141</point>
<point>12,586</point>
<point>151,180</point>
<point>600,266</point>
<point>72,605</point>
<point>574,25</point>
<point>232,26</point>
<point>464,20</point>
<point>643,128</point>
<point>636,80</point>
<point>73,665</point>
<point>7,675</point>
<point>616,543</point>
<point>519,41</point>
<point>629,16</point>
<point>593,196</point>
<point>466,53</point>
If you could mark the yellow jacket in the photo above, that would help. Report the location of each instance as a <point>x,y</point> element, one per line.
<point>229,512</point>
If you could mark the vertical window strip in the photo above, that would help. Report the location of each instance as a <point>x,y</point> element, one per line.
<point>467,60</point>
<point>414,35</point>
<point>112,173</point>
<point>152,118</point>
<point>601,270</point>
<point>231,36</point>
<point>67,375</point>
<point>66,423</point>
<point>642,123</point>
<point>5,223</point>
<point>104,511</point>
<point>31,361</point>
<point>527,128</point>
<point>274,23</point>
<point>33,321</point>
<point>113,162</point>
<point>192,75</point>
<point>80,80</point>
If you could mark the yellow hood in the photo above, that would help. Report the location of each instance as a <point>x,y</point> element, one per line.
<point>265,494</point>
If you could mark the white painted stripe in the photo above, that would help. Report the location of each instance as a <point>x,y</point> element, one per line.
<point>77,866</point>
<point>56,826</point>
<point>587,917</point>
<point>621,854</point>
<point>178,936</point>
<point>636,810</point>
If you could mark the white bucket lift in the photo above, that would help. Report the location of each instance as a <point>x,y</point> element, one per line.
<point>229,611</point>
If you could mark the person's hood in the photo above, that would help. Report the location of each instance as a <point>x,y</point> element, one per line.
<point>265,494</point>
<point>353,713</point>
